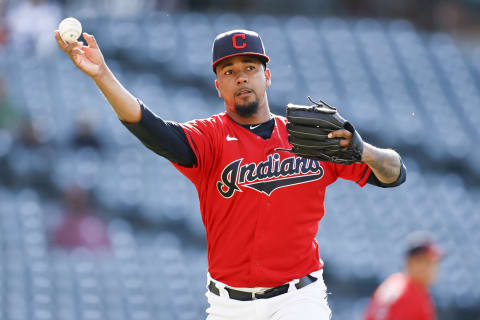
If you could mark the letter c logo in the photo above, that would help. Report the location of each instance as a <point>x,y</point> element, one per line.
<point>234,40</point>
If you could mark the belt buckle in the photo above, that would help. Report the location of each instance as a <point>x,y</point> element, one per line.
<point>254,294</point>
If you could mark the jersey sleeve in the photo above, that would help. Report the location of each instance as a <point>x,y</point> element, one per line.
<point>166,138</point>
<point>203,137</point>
<point>357,172</point>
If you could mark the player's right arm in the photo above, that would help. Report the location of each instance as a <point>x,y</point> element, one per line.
<point>163,137</point>
<point>90,60</point>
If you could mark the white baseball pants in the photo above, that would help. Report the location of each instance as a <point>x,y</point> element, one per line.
<point>307,303</point>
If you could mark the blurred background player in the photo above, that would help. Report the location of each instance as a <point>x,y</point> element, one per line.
<point>405,295</point>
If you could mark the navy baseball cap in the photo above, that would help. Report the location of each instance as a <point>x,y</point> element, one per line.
<point>237,42</point>
<point>421,242</point>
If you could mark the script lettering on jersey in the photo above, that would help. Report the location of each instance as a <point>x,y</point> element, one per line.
<point>269,175</point>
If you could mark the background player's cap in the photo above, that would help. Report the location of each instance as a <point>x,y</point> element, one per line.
<point>237,42</point>
<point>421,242</point>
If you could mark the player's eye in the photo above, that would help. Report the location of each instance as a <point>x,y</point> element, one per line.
<point>250,67</point>
<point>228,72</point>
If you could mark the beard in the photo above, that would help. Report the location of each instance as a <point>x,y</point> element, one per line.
<point>247,109</point>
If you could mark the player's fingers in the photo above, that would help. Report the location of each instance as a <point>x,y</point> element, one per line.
<point>341,133</point>
<point>344,143</point>
<point>71,46</point>
<point>92,43</point>
<point>344,135</point>
<point>60,42</point>
<point>77,51</point>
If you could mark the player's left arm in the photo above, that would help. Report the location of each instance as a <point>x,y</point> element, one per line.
<point>386,164</point>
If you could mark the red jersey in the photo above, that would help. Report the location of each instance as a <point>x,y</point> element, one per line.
<point>260,207</point>
<point>400,298</point>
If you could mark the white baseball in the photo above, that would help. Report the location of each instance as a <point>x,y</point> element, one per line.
<point>70,29</point>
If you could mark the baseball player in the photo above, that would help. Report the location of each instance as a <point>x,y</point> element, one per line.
<point>262,253</point>
<point>405,295</point>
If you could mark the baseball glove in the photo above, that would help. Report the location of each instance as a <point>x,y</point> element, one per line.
<point>308,128</point>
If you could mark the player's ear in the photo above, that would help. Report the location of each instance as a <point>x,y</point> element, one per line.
<point>217,86</point>
<point>268,77</point>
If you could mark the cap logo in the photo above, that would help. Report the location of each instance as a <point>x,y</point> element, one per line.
<point>235,43</point>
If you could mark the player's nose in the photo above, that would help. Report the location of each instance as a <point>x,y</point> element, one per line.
<point>242,78</point>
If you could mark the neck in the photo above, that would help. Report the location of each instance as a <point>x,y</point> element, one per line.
<point>262,115</point>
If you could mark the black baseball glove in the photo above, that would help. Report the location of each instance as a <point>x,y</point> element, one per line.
<point>308,128</point>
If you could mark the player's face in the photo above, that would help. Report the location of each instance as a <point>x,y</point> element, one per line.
<point>431,266</point>
<point>242,82</point>
<point>425,267</point>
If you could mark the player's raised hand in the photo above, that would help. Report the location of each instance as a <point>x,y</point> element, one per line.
<point>87,58</point>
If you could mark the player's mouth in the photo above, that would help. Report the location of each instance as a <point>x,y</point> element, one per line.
<point>243,93</point>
